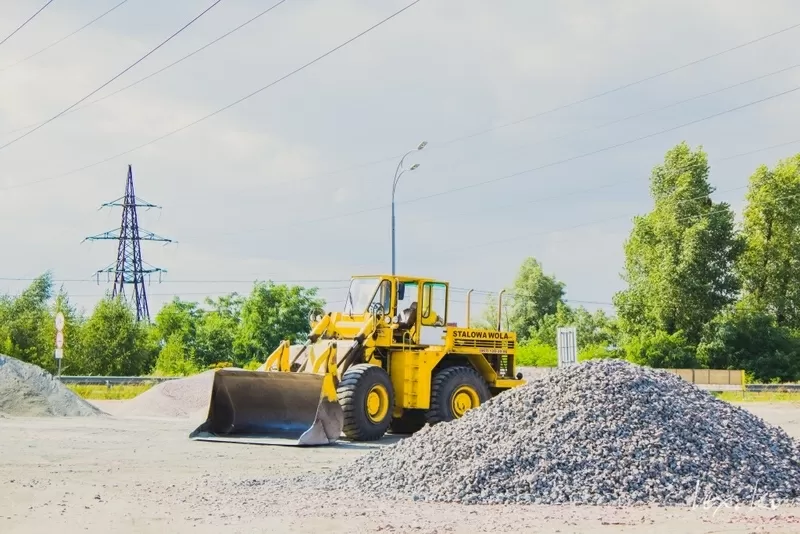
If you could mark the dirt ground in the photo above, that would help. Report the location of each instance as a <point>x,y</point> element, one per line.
<point>144,475</point>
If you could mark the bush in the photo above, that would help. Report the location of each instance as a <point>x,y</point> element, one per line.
<point>661,350</point>
<point>535,354</point>
<point>173,360</point>
<point>751,340</point>
<point>596,351</point>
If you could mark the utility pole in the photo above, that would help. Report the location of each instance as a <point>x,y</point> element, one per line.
<point>394,188</point>
<point>129,269</point>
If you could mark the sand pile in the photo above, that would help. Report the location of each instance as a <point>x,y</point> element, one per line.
<point>602,432</point>
<point>28,390</point>
<point>183,397</point>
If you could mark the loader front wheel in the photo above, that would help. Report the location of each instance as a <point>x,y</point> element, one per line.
<point>454,391</point>
<point>367,399</point>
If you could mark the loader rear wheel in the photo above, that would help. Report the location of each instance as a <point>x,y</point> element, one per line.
<point>367,398</point>
<point>454,391</point>
<point>410,422</point>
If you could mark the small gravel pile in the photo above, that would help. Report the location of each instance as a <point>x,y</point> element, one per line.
<point>602,432</point>
<point>183,398</point>
<point>27,390</point>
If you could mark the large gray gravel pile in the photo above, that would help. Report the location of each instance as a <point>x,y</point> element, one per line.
<point>602,432</point>
<point>29,390</point>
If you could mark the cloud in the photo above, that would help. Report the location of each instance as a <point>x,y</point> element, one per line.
<point>273,186</point>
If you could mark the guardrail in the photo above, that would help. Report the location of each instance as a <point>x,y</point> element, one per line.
<point>113,380</point>
<point>116,380</point>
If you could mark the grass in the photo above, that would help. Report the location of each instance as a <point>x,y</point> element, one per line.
<point>759,396</point>
<point>115,392</point>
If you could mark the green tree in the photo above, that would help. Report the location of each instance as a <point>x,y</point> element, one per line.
<point>770,265</point>
<point>660,349</point>
<point>173,359</point>
<point>535,295</point>
<point>751,340</point>
<point>271,314</point>
<point>488,319</point>
<point>679,258</point>
<point>595,332</point>
<point>114,343</point>
<point>26,325</point>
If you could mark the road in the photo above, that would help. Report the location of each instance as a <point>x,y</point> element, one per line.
<point>144,475</point>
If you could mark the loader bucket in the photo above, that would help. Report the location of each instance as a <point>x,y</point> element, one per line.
<point>271,407</point>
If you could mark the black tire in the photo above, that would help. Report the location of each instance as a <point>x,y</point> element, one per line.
<point>358,382</point>
<point>410,422</point>
<point>449,382</point>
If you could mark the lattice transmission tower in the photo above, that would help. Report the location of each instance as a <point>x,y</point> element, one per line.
<point>130,269</point>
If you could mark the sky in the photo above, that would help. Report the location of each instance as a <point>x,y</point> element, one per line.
<point>294,183</point>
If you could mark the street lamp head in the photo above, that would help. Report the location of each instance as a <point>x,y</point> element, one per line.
<point>422,145</point>
<point>414,166</point>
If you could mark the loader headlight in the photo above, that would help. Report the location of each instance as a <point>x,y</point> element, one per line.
<point>388,320</point>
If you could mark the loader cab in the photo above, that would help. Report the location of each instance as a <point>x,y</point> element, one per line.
<point>417,306</point>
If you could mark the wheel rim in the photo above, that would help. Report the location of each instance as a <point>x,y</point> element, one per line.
<point>377,403</point>
<point>464,398</point>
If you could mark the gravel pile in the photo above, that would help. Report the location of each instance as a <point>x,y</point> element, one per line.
<point>28,390</point>
<point>183,398</point>
<point>602,432</point>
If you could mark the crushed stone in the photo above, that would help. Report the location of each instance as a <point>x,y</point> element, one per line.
<point>600,432</point>
<point>27,390</point>
<point>182,398</point>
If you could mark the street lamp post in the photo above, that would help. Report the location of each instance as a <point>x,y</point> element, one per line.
<point>397,174</point>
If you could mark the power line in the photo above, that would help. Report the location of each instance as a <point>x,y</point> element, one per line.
<point>51,45</point>
<point>596,222</point>
<point>26,22</point>
<point>617,121</point>
<point>54,117</point>
<point>534,169</point>
<point>552,110</point>
<point>224,108</point>
<point>162,69</point>
<point>624,86</point>
<point>223,281</point>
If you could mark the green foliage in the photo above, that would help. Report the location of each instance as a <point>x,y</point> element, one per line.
<point>184,339</point>
<point>174,359</point>
<point>535,354</point>
<point>115,392</point>
<point>114,343</point>
<point>679,257</point>
<point>596,351</point>
<point>271,314</point>
<point>661,349</point>
<point>751,340</point>
<point>535,296</point>
<point>590,328</point>
<point>770,265</point>
<point>26,326</point>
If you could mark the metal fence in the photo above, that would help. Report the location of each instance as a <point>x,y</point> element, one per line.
<point>116,380</point>
<point>113,380</point>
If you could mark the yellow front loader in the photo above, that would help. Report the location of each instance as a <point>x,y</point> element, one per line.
<point>389,362</point>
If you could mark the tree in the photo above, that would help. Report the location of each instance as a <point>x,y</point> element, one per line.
<point>488,319</point>
<point>26,325</point>
<point>595,332</point>
<point>271,314</point>
<point>535,295</point>
<point>660,349</point>
<point>173,359</point>
<point>770,265</point>
<point>114,343</point>
<point>752,340</point>
<point>679,258</point>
